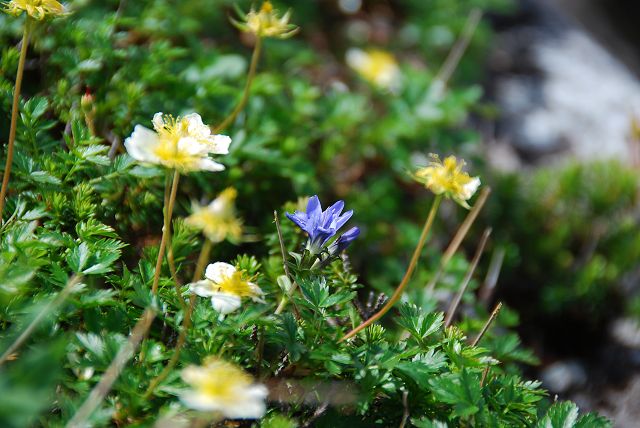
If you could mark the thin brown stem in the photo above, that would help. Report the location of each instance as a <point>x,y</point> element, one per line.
<point>467,278</point>
<point>59,299</point>
<point>168,212</point>
<point>203,259</point>
<point>100,391</point>
<point>407,276</point>
<point>459,237</point>
<point>247,88</point>
<point>486,326</point>
<point>186,322</point>
<point>14,113</point>
<point>455,55</point>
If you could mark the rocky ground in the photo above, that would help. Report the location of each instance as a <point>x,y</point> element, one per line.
<point>566,75</point>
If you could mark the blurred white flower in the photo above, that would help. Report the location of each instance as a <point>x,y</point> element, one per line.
<point>220,386</point>
<point>218,220</point>
<point>376,66</point>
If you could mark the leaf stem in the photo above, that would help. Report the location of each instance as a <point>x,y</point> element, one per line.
<point>407,276</point>
<point>14,112</point>
<point>247,88</point>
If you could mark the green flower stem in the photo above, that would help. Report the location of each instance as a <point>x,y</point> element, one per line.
<point>170,259</point>
<point>53,305</point>
<point>407,276</point>
<point>14,112</point>
<point>168,212</point>
<point>186,322</point>
<point>284,300</point>
<point>459,237</point>
<point>100,391</point>
<point>247,88</point>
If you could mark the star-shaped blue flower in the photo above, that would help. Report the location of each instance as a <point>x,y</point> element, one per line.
<point>321,226</point>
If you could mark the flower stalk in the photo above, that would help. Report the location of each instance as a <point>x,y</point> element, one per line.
<point>186,322</point>
<point>247,87</point>
<point>407,276</point>
<point>28,25</point>
<point>168,212</point>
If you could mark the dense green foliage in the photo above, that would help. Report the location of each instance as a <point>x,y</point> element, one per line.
<point>78,204</point>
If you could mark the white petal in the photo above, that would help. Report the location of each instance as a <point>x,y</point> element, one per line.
<point>357,58</point>
<point>201,402</point>
<point>219,144</point>
<point>196,127</point>
<point>208,164</point>
<point>204,288</point>
<point>470,188</point>
<point>158,122</point>
<point>225,303</point>
<point>246,409</point>
<point>218,271</point>
<point>191,146</point>
<point>141,143</point>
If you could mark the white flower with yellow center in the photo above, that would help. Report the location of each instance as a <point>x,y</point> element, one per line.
<point>226,287</point>
<point>219,386</point>
<point>376,66</point>
<point>182,143</point>
<point>218,220</point>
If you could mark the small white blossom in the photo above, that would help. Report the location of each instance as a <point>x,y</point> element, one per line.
<point>226,287</point>
<point>179,143</point>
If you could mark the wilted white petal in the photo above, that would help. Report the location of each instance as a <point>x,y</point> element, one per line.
<point>257,293</point>
<point>218,271</point>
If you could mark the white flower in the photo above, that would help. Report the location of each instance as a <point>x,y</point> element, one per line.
<point>181,143</point>
<point>377,66</point>
<point>218,220</point>
<point>226,287</point>
<point>219,386</point>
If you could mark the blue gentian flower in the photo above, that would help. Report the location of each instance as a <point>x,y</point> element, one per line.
<point>321,226</point>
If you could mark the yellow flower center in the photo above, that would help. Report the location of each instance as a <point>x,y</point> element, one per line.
<point>236,285</point>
